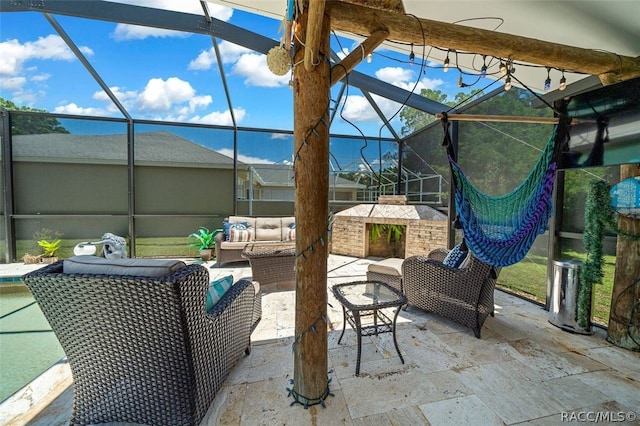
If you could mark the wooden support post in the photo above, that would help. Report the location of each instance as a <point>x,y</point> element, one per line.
<point>311,93</point>
<point>626,292</point>
<point>315,19</point>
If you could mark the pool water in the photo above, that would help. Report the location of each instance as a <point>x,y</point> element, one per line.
<point>28,347</point>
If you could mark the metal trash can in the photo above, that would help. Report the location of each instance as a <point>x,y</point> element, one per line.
<point>564,297</point>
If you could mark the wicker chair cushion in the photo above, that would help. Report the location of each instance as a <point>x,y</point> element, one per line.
<point>94,265</point>
<point>455,257</point>
<point>268,229</point>
<point>391,266</point>
<point>217,289</point>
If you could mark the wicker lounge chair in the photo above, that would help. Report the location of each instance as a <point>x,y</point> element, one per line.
<point>463,295</point>
<point>143,349</point>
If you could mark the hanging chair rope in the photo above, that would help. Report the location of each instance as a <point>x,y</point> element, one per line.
<point>500,230</point>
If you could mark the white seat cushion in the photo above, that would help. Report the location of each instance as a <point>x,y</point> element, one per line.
<point>391,266</point>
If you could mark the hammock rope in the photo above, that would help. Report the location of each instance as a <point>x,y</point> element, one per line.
<point>500,230</point>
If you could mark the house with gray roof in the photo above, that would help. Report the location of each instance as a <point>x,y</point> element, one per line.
<point>151,148</point>
<point>276,182</point>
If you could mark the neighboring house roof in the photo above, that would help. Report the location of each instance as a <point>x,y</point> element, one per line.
<point>150,148</point>
<point>282,175</point>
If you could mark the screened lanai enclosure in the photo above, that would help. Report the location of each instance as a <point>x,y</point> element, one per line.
<point>154,180</point>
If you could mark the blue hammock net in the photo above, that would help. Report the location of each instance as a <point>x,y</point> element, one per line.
<point>500,230</point>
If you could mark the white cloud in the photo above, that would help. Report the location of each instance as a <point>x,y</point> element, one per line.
<point>160,95</point>
<point>15,54</point>
<point>357,108</point>
<point>281,136</point>
<point>254,68</point>
<point>342,53</point>
<point>404,78</point>
<point>222,118</point>
<point>72,108</point>
<point>173,96</point>
<point>12,83</point>
<point>229,52</point>
<point>244,158</point>
<point>394,75</point>
<point>195,103</point>
<point>135,32</point>
<point>203,61</point>
<point>125,97</point>
<point>251,66</point>
<point>41,77</point>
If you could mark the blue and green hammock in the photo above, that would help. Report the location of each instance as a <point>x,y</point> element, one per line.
<point>500,230</point>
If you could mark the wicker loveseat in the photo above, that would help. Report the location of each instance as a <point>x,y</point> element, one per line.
<point>230,244</point>
<point>464,295</point>
<point>142,349</point>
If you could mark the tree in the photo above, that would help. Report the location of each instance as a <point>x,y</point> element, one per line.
<point>31,124</point>
<point>414,119</point>
<point>495,156</point>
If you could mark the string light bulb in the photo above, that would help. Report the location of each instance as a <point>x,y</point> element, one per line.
<point>547,82</point>
<point>503,68</point>
<point>369,58</point>
<point>446,63</point>
<point>460,82</point>
<point>507,83</point>
<point>483,70</point>
<point>412,56</point>
<point>563,82</point>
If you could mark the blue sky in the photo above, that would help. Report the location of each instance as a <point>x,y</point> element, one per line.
<point>171,76</point>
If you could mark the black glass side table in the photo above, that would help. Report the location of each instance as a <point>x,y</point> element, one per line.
<point>365,299</point>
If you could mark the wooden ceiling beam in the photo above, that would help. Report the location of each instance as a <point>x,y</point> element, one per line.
<point>356,19</point>
<point>314,29</point>
<point>356,56</point>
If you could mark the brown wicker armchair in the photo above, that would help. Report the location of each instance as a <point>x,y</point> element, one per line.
<point>143,349</point>
<point>463,295</point>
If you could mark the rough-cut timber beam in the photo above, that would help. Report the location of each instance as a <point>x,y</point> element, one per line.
<point>389,5</point>
<point>356,56</point>
<point>314,28</point>
<point>363,20</point>
<point>503,118</point>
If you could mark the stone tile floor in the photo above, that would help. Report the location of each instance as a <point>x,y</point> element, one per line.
<point>522,371</point>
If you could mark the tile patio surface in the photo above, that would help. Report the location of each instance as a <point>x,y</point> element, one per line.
<point>522,371</point>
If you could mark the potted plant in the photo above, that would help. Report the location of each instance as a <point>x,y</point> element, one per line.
<point>205,241</point>
<point>50,248</point>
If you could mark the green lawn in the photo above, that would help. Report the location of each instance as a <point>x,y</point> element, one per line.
<point>529,279</point>
<point>146,247</point>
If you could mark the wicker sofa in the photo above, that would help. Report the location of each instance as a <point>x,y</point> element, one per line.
<point>464,295</point>
<point>230,244</point>
<point>142,349</point>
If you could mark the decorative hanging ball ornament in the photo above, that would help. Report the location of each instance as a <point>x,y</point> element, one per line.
<point>278,60</point>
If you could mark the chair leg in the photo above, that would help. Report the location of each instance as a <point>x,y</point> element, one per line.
<point>476,331</point>
<point>247,350</point>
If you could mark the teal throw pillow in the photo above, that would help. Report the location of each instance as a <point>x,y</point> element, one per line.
<point>217,289</point>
